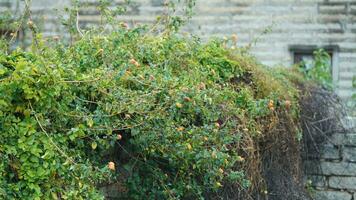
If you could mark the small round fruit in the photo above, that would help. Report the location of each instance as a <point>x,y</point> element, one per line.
<point>271,105</point>
<point>187,99</point>
<point>240,159</point>
<point>179,105</point>
<point>119,137</point>
<point>217,125</point>
<point>213,155</point>
<point>189,147</point>
<point>30,23</point>
<point>234,38</point>
<point>134,62</point>
<point>181,128</point>
<point>288,103</point>
<point>111,166</point>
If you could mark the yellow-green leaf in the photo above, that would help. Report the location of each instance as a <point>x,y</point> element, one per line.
<point>94,145</point>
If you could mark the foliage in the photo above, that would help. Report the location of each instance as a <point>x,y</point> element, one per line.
<point>352,102</point>
<point>320,70</point>
<point>175,118</point>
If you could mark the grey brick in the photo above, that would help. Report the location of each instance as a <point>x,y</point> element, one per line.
<point>330,152</point>
<point>343,183</point>
<point>340,139</point>
<point>330,168</point>
<point>337,139</point>
<point>316,181</point>
<point>349,154</point>
<point>350,139</point>
<point>332,195</point>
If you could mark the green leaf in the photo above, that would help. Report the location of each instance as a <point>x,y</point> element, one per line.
<point>94,145</point>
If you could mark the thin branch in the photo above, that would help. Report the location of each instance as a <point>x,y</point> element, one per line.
<point>50,139</point>
<point>78,28</point>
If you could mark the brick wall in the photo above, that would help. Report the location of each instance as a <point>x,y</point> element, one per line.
<point>318,23</point>
<point>333,172</point>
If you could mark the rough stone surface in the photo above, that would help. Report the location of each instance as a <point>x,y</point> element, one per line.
<point>335,179</point>
<point>330,152</point>
<point>343,168</point>
<point>342,182</point>
<point>332,195</point>
<point>350,139</point>
<point>318,23</point>
<point>316,181</point>
<point>330,168</point>
<point>349,154</point>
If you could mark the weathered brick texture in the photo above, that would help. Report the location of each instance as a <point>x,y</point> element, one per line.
<point>294,22</point>
<point>334,177</point>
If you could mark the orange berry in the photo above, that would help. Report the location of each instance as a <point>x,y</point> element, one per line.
<point>217,125</point>
<point>271,105</point>
<point>124,25</point>
<point>213,155</point>
<point>111,166</point>
<point>184,89</point>
<point>134,62</point>
<point>119,136</point>
<point>240,159</point>
<point>181,128</point>
<point>288,104</point>
<point>56,37</point>
<point>30,23</point>
<point>187,99</point>
<point>221,170</point>
<point>234,37</point>
<point>202,86</point>
<point>179,105</point>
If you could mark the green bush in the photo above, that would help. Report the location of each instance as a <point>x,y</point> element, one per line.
<point>178,118</point>
<point>171,112</point>
<point>320,69</point>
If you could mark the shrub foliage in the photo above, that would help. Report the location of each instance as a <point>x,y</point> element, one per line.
<point>179,118</point>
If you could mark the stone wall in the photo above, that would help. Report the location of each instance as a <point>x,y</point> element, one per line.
<point>313,23</point>
<point>332,173</point>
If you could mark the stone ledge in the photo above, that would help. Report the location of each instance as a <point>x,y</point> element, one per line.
<point>316,181</point>
<point>329,152</point>
<point>349,154</point>
<point>347,139</point>
<point>330,168</point>
<point>342,183</point>
<point>332,195</point>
